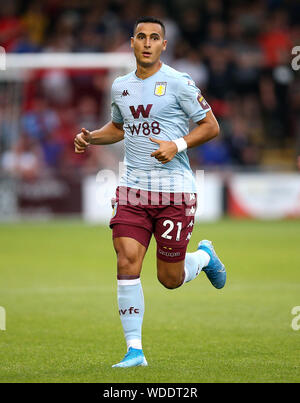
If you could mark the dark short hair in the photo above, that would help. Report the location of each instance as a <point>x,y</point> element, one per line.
<point>152,20</point>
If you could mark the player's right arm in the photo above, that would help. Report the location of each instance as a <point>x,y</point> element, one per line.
<point>111,133</point>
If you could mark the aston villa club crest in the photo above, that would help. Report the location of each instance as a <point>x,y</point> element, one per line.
<point>114,212</point>
<point>160,89</point>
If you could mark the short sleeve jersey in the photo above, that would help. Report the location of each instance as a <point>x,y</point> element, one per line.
<point>160,107</point>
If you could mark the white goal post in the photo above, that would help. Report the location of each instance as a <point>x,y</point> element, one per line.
<point>20,67</point>
<point>116,61</point>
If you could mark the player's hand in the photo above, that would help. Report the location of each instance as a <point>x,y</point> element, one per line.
<point>166,152</point>
<point>82,141</point>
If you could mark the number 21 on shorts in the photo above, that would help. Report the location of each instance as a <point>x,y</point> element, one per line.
<point>170,226</point>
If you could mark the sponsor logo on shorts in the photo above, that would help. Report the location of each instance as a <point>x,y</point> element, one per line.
<point>168,254</point>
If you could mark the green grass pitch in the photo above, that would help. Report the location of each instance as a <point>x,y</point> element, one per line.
<point>58,287</point>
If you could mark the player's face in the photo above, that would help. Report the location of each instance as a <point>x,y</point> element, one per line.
<point>148,43</point>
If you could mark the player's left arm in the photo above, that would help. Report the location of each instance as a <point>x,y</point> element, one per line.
<point>206,129</point>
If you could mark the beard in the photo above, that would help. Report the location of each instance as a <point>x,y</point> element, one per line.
<point>146,63</point>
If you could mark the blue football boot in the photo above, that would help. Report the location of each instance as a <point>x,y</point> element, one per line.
<point>215,270</point>
<point>134,358</point>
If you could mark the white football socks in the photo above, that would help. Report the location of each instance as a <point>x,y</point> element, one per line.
<point>131,298</point>
<point>131,310</point>
<point>194,263</point>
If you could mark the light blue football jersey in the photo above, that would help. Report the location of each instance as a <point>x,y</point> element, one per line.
<point>160,107</point>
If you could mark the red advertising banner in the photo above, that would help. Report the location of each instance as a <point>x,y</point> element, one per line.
<point>264,196</point>
<point>49,196</point>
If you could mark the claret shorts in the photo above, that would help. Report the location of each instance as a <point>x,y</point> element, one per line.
<point>170,217</point>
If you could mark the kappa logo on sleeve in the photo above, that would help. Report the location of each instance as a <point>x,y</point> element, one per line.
<point>202,101</point>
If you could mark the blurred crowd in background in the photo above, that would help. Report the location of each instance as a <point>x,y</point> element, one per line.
<point>237,52</point>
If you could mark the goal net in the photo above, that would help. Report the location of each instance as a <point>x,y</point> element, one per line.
<point>58,80</point>
<point>45,99</point>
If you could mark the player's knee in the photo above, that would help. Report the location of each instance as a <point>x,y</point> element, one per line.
<point>127,261</point>
<point>170,282</point>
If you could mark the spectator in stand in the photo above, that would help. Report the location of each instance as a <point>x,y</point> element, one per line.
<point>118,42</point>
<point>40,120</point>
<point>57,141</point>
<point>248,62</point>
<point>295,116</point>
<point>190,26</point>
<point>193,65</point>
<point>87,113</point>
<point>250,111</point>
<point>8,127</point>
<point>97,26</point>
<point>67,126</point>
<point>24,160</point>
<point>35,22</point>
<point>11,27</point>
<point>273,115</point>
<point>276,40</point>
<point>213,10</point>
<point>216,41</point>
<point>216,35</point>
<point>220,77</point>
<point>88,42</point>
<point>237,52</point>
<point>172,29</point>
<point>42,124</point>
<point>128,13</point>
<point>62,37</point>
<point>24,45</point>
<point>56,44</point>
<point>242,149</point>
<point>53,148</point>
<point>56,86</point>
<point>214,153</point>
